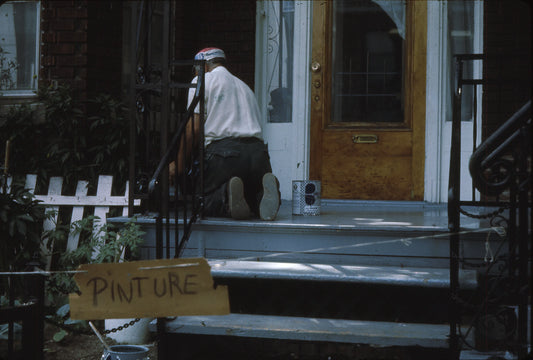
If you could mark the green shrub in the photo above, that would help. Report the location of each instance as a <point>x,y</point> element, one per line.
<point>20,228</point>
<point>58,138</point>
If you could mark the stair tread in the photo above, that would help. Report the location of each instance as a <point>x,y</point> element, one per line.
<point>385,275</point>
<point>312,329</point>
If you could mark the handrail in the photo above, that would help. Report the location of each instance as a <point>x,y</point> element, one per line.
<point>492,173</point>
<point>171,154</point>
<point>174,143</point>
<point>488,153</point>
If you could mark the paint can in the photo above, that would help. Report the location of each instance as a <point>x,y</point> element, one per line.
<point>306,197</point>
<point>126,352</point>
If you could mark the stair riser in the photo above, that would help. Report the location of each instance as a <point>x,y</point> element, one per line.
<point>384,248</point>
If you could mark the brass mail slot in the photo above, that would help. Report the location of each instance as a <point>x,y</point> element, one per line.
<point>365,139</point>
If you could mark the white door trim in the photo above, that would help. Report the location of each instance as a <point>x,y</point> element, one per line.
<point>438,130</point>
<point>289,143</point>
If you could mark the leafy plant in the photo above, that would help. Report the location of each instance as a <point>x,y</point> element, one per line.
<point>64,133</point>
<point>65,324</point>
<point>66,137</point>
<point>7,69</point>
<point>109,134</point>
<point>20,225</point>
<point>106,244</point>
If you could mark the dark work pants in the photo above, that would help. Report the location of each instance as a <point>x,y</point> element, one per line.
<point>246,158</point>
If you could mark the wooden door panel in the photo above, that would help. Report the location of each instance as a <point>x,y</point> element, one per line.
<point>380,171</point>
<point>391,168</point>
<point>385,179</point>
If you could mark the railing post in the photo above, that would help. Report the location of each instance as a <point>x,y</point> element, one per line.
<point>33,323</point>
<point>522,183</point>
<point>454,194</point>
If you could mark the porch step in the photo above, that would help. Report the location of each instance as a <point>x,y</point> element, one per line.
<point>486,355</point>
<point>312,329</point>
<point>382,275</point>
<point>273,278</point>
<point>360,273</point>
<point>401,234</point>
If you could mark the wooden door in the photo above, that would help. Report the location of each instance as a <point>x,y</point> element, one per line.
<point>368,79</point>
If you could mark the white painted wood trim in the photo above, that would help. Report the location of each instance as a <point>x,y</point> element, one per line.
<point>77,214</point>
<point>438,130</point>
<point>53,200</point>
<point>301,90</point>
<point>54,188</point>
<point>435,104</point>
<point>288,142</point>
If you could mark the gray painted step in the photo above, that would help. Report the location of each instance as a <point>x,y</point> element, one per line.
<point>384,275</point>
<point>481,355</point>
<point>312,329</point>
<point>402,234</point>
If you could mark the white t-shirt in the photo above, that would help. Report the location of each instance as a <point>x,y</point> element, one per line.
<point>231,107</point>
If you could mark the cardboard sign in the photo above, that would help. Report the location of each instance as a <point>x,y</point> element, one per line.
<point>149,288</point>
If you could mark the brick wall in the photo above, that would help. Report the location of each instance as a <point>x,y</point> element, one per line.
<point>104,38</point>
<point>507,43</point>
<point>81,44</point>
<point>64,43</point>
<point>229,25</point>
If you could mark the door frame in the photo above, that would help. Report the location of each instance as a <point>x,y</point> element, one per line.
<point>415,95</point>
<point>295,157</point>
<point>288,143</point>
<point>438,130</point>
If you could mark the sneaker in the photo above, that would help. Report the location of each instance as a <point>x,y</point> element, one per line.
<point>238,207</point>
<point>269,205</point>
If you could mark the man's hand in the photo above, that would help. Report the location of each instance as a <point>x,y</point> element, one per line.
<point>184,153</point>
<point>171,173</point>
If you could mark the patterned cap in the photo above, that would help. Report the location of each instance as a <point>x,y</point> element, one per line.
<point>210,53</point>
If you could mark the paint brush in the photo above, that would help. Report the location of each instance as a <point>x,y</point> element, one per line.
<point>100,337</point>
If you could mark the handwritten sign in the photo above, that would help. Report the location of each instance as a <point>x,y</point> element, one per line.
<point>148,288</point>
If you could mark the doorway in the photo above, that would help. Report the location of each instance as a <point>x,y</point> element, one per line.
<point>368,81</point>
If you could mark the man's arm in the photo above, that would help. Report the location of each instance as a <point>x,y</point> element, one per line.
<point>184,153</point>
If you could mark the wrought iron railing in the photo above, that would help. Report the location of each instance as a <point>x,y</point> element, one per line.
<point>501,173</point>
<point>188,189</point>
<point>29,314</point>
<point>159,117</point>
<point>160,120</point>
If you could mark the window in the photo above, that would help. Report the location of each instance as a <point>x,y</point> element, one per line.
<point>19,47</point>
<point>280,60</point>
<point>461,31</point>
<point>368,61</point>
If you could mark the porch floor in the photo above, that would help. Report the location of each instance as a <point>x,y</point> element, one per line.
<point>362,215</point>
<point>347,232</point>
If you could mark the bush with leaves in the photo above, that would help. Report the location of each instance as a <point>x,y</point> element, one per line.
<point>20,228</point>
<point>106,244</point>
<point>58,138</point>
<point>8,69</point>
<point>98,244</point>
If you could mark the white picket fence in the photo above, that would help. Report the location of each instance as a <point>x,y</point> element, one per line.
<point>52,201</point>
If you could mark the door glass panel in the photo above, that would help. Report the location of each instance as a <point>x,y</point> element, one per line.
<point>280,59</point>
<point>461,41</point>
<point>368,61</point>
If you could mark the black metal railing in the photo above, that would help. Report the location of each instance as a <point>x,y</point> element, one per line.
<point>160,117</point>
<point>160,123</point>
<point>28,290</point>
<point>188,189</point>
<point>500,172</point>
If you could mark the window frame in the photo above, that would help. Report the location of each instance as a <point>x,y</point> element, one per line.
<point>28,93</point>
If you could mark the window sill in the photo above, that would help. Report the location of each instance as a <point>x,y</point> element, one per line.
<point>17,97</point>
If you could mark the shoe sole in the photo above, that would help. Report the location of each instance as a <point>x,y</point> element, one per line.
<point>238,207</point>
<point>269,205</point>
